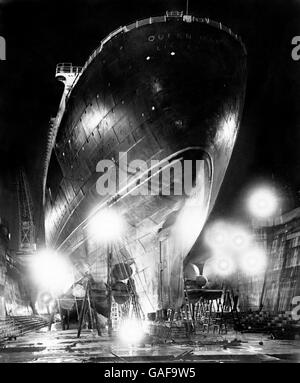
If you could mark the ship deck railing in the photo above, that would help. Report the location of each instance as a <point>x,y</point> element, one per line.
<point>67,68</point>
<point>157,19</point>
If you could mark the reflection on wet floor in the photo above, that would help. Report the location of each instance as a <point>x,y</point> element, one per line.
<point>64,347</point>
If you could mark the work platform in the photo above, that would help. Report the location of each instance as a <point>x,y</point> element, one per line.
<point>59,346</point>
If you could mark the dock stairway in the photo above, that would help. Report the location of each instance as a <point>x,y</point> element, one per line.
<point>12,327</point>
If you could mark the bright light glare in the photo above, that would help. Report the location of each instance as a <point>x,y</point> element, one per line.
<point>253,262</point>
<point>238,240</point>
<point>51,272</point>
<point>46,298</point>
<point>107,225</point>
<point>263,203</point>
<point>216,235</point>
<point>227,235</point>
<point>131,331</point>
<point>240,237</point>
<point>223,265</point>
<point>220,265</point>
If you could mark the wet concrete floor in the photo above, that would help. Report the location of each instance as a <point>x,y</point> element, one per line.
<point>64,347</point>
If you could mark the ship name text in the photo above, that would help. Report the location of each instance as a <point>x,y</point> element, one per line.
<point>165,36</point>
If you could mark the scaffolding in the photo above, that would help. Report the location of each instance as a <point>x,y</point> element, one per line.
<point>25,208</point>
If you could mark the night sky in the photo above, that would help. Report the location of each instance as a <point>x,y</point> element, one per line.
<point>40,34</point>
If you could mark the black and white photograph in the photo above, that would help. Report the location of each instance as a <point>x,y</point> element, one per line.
<point>149,184</point>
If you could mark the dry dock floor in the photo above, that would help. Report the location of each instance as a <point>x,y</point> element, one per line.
<point>64,347</point>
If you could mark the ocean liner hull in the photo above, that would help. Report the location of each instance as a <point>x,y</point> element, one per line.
<point>164,89</point>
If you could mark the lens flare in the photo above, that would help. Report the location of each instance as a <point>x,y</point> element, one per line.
<point>46,298</point>
<point>263,203</point>
<point>131,331</point>
<point>107,225</point>
<point>240,237</point>
<point>219,266</point>
<point>216,235</point>
<point>51,272</point>
<point>253,262</point>
<point>227,235</point>
<point>224,265</point>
